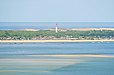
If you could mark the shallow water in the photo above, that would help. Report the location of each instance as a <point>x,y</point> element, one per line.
<point>56,58</point>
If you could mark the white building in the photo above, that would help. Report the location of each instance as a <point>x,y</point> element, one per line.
<point>56,29</point>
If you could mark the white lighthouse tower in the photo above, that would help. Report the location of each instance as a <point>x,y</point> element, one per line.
<point>56,28</point>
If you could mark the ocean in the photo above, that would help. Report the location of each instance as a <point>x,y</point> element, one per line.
<point>48,25</point>
<point>57,58</point>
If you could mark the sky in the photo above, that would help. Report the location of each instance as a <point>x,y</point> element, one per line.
<point>56,10</point>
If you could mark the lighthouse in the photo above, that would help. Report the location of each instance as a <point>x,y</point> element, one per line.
<point>56,29</point>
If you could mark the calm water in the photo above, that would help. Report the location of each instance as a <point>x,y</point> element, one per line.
<point>47,25</point>
<point>57,48</point>
<point>34,59</point>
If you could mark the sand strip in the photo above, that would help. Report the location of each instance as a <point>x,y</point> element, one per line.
<point>35,41</point>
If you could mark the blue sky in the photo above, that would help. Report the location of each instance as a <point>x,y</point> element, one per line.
<point>56,10</point>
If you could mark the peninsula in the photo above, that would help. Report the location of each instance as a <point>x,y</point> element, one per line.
<point>60,35</point>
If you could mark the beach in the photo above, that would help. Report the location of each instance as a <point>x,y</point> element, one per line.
<point>33,41</point>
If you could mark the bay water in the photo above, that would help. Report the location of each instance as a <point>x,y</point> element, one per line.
<point>56,58</point>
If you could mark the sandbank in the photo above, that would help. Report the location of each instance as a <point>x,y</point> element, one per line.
<point>35,41</point>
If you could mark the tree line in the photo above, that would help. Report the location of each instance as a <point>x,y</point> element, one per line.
<point>48,34</point>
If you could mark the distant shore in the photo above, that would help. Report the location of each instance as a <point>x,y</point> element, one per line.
<point>35,41</point>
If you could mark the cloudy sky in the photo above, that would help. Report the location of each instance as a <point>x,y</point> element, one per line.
<point>56,10</point>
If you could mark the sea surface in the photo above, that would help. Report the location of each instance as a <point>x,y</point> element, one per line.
<point>56,58</point>
<point>48,25</point>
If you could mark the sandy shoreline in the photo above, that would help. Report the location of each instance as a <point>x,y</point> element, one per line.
<point>66,56</point>
<point>55,58</point>
<point>78,55</point>
<point>35,41</point>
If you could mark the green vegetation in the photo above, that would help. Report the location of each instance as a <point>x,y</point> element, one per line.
<point>48,34</point>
